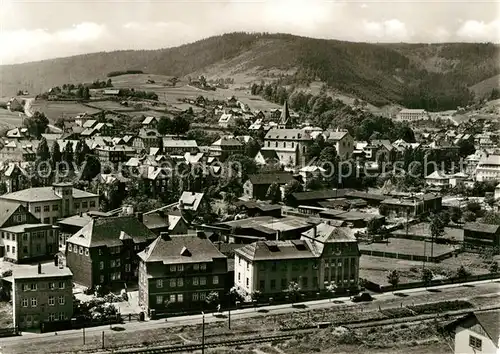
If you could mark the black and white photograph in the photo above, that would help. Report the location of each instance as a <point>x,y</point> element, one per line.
<point>249,176</point>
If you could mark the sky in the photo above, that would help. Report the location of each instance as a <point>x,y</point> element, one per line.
<point>33,30</point>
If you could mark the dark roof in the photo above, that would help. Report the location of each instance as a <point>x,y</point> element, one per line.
<point>109,232</point>
<point>269,154</point>
<point>365,196</point>
<point>479,227</point>
<point>250,204</point>
<point>275,250</point>
<point>172,250</point>
<point>270,178</point>
<point>319,195</point>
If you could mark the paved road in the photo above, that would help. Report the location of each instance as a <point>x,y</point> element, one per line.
<point>473,290</point>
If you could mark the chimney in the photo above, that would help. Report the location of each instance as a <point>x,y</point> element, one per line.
<point>139,216</point>
<point>56,261</point>
<point>39,268</point>
<point>315,230</point>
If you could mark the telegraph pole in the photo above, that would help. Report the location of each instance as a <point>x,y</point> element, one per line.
<point>203,334</point>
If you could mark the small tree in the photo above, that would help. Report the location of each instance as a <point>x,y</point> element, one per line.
<point>293,291</point>
<point>331,288</point>
<point>462,273</point>
<point>274,193</point>
<point>393,278</point>
<point>427,276</point>
<point>256,296</point>
<point>455,214</point>
<point>212,298</point>
<point>470,216</point>
<point>42,151</point>
<point>373,226</point>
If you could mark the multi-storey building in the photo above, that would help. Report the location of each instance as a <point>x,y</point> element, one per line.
<point>225,147</point>
<point>344,142</point>
<point>114,154</point>
<point>410,115</point>
<point>488,168</point>
<point>51,203</point>
<point>104,251</point>
<point>23,237</point>
<point>42,293</point>
<point>179,272</point>
<point>324,255</point>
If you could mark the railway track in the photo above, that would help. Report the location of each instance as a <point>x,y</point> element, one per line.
<point>193,347</point>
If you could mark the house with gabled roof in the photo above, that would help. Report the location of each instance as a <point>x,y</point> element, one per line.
<point>14,177</point>
<point>257,185</point>
<point>226,146</point>
<point>104,252</point>
<point>477,332</point>
<point>479,235</point>
<point>178,272</point>
<point>150,122</point>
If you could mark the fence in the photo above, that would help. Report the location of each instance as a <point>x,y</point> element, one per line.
<point>420,284</point>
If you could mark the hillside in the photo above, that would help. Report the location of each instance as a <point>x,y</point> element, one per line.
<point>433,76</point>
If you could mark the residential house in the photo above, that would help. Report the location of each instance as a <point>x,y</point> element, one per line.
<point>23,237</point>
<point>156,180</point>
<point>179,147</point>
<point>267,158</point>
<point>437,179</point>
<point>160,221</point>
<point>256,186</point>
<point>179,272</point>
<point>411,115</point>
<point>14,177</point>
<point>311,172</point>
<point>114,154</point>
<point>478,332</point>
<point>111,92</point>
<point>192,201</point>
<point>488,168</point>
<point>104,251</point>
<point>19,151</point>
<point>82,118</point>
<point>226,120</point>
<point>146,139</point>
<point>324,255</point>
<point>17,134</point>
<point>51,203</point>
<point>343,141</point>
<point>225,147</point>
<point>150,123</point>
<point>412,205</point>
<point>42,295</point>
<point>478,235</point>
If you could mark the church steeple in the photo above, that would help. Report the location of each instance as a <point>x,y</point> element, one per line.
<point>285,121</point>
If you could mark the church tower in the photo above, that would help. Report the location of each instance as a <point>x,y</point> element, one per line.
<point>285,120</point>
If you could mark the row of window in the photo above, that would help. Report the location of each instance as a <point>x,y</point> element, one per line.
<point>38,249</point>
<point>55,207</point>
<point>172,298</point>
<point>34,301</point>
<point>51,286</point>
<point>179,282</point>
<point>18,218</point>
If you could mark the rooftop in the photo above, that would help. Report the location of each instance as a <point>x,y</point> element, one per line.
<point>40,194</point>
<point>49,270</point>
<point>274,250</point>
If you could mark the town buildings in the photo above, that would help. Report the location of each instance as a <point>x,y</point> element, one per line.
<point>478,235</point>
<point>324,255</point>
<point>104,252</point>
<point>180,272</point>
<point>51,203</point>
<point>23,237</point>
<point>41,294</point>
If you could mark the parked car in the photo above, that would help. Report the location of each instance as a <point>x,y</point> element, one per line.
<point>362,297</point>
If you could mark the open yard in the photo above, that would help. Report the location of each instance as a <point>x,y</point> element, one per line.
<point>408,247</point>
<point>9,119</point>
<point>375,269</point>
<point>57,109</point>
<point>111,105</point>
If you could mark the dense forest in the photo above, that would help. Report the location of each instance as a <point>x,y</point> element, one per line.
<point>435,77</point>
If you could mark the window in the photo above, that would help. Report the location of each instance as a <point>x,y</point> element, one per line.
<point>92,203</point>
<point>262,285</point>
<point>239,260</point>
<point>203,281</point>
<point>80,250</point>
<point>62,316</point>
<point>61,285</point>
<point>247,282</point>
<point>101,265</point>
<point>273,284</point>
<point>52,317</point>
<point>215,279</point>
<point>203,266</point>
<point>52,301</point>
<point>46,208</point>
<point>8,248</point>
<point>475,342</point>
<point>196,267</point>
<point>180,282</point>
<point>33,287</point>
<point>55,207</point>
<point>195,297</point>
<point>61,300</point>
<point>195,281</point>
<point>25,303</point>
<point>34,302</point>
<point>159,300</point>
<point>13,249</point>
<point>180,298</point>
<point>112,263</point>
<point>159,283</point>
<point>38,209</point>
<point>202,296</point>
<point>13,237</point>
<point>100,252</point>
<point>77,205</point>
<point>262,266</point>
<point>273,267</point>
<point>239,276</point>
<point>25,237</point>
<point>172,298</point>
<point>86,251</point>
<point>180,268</point>
<point>173,267</point>
<point>84,205</point>
<point>101,279</point>
<point>173,283</point>
<point>127,267</point>
<point>118,263</point>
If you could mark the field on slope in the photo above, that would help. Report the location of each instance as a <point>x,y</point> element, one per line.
<point>9,119</point>
<point>57,109</point>
<point>485,87</point>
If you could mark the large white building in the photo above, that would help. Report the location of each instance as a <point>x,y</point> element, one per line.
<point>409,115</point>
<point>488,168</point>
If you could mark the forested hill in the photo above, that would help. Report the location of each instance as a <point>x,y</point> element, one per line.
<point>435,76</point>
